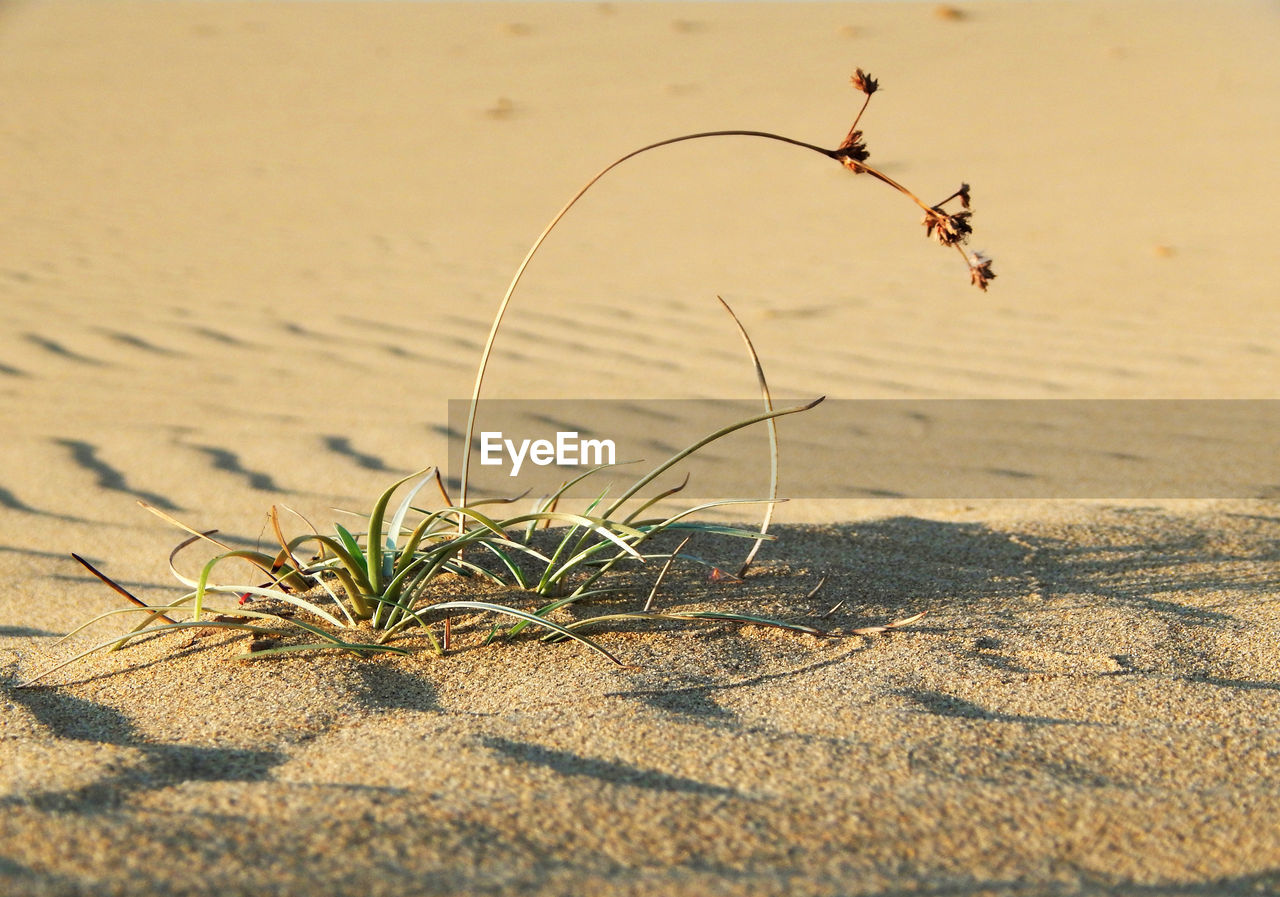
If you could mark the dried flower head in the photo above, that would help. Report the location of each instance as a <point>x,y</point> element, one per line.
<point>980,273</point>
<point>852,152</point>
<point>949,230</point>
<point>864,82</point>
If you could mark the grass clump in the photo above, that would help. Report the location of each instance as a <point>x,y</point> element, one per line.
<point>359,591</point>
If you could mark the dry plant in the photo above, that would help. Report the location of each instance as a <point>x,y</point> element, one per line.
<point>950,228</point>
<point>358,591</point>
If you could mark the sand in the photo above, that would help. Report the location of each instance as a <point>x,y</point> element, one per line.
<point>252,249</point>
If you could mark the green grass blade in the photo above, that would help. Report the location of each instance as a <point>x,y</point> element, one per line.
<point>517,574</point>
<point>375,539</point>
<point>467,568</point>
<point>550,502</point>
<point>178,549</point>
<point>556,605</point>
<point>361,648</point>
<point>666,493</point>
<point>714,529</point>
<point>419,533</point>
<point>354,551</point>
<point>278,595</point>
<point>504,610</point>
<point>154,612</point>
<point>602,526</point>
<point>202,584</point>
<point>352,572</point>
<point>397,519</point>
<point>673,522</point>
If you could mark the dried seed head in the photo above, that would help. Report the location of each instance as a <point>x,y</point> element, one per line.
<point>949,230</point>
<point>962,194</point>
<point>980,273</point>
<point>864,82</point>
<point>852,152</point>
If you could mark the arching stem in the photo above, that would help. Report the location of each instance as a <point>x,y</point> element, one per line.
<point>537,244</point>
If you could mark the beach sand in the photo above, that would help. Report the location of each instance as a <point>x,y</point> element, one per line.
<point>251,250</point>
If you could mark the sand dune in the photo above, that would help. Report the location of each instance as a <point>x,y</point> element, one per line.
<point>251,251</point>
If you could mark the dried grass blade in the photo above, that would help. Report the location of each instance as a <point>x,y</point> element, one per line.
<point>173,558</point>
<point>121,590</point>
<point>887,627</point>
<point>294,578</point>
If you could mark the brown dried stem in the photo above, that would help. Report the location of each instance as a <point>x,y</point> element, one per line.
<point>950,229</point>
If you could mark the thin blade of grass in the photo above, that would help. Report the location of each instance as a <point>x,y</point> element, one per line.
<point>119,589</point>
<point>887,627</point>
<point>649,503</point>
<point>278,595</point>
<point>397,519</point>
<point>375,537</point>
<point>673,522</point>
<point>348,584</point>
<point>354,551</point>
<point>119,611</point>
<point>360,648</point>
<point>747,618</point>
<point>202,584</point>
<point>259,560</point>
<point>550,503</point>
<point>517,574</point>
<point>173,558</point>
<point>704,441</point>
<point>169,518</point>
<point>663,572</point>
<point>467,568</point>
<point>168,627</point>
<point>712,616</point>
<point>295,579</point>
<point>600,525</point>
<point>504,610</point>
<point>562,602</point>
<point>718,529</point>
<point>772,427</point>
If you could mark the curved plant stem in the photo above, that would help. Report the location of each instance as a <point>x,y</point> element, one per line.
<point>537,244</point>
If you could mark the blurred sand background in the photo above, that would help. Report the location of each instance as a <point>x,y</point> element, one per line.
<point>248,251</point>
